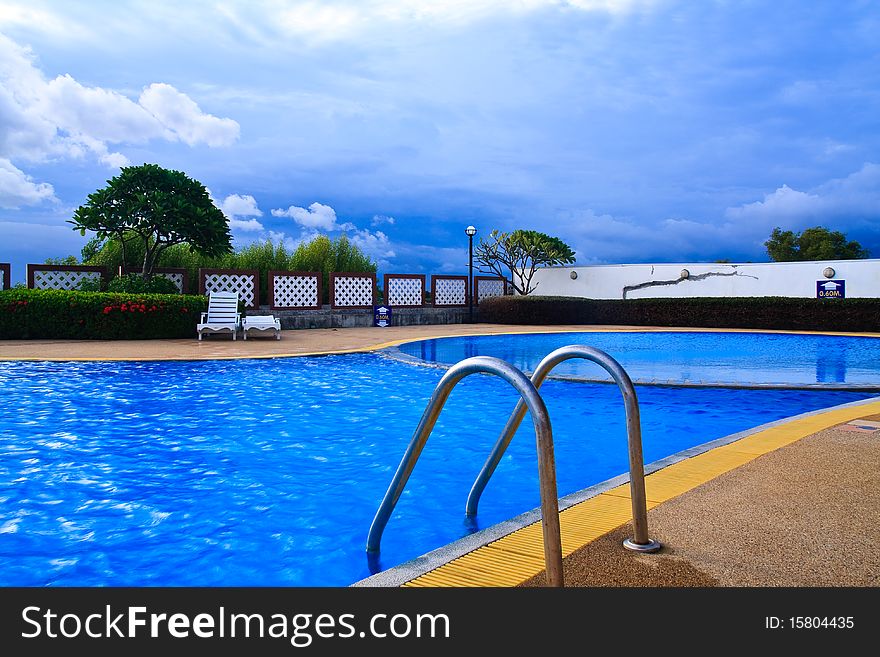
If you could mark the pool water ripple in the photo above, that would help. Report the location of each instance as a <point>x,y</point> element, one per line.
<point>718,358</point>
<point>268,473</point>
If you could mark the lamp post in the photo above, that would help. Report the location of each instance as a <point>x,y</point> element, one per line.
<point>470,231</point>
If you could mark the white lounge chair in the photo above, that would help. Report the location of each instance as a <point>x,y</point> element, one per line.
<point>222,314</point>
<point>261,323</point>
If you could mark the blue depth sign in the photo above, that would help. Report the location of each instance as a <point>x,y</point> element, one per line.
<point>382,316</point>
<point>830,289</point>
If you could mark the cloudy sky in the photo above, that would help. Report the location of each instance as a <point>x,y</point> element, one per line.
<point>635,130</point>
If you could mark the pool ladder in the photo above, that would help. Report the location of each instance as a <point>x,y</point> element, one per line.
<point>531,400</point>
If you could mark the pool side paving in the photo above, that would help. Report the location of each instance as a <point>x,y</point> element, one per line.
<point>302,342</point>
<point>792,503</point>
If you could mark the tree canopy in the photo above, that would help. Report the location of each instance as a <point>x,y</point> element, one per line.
<point>156,208</point>
<point>817,243</point>
<point>521,253</point>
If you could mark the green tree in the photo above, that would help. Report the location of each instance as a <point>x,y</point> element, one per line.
<point>521,253</point>
<point>153,209</point>
<point>67,260</point>
<point>817,243</point>
<point>91,249</point>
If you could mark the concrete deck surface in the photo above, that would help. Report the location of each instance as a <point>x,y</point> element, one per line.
<point>293,342</point>
<point>805,515</point>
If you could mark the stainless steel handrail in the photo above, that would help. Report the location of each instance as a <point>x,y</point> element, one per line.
<point>640,541</point>
<point>532,401</point>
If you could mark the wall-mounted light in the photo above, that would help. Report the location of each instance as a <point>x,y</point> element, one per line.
<point>684,273</point>
<point>828,272</point>
<point>573,275</point>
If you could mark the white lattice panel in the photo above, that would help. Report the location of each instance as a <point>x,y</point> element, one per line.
<point>486,289</point>
<point>48,279</point>
<point>242,284</point>
<point>2,279</point>
<point>353,291</point>
<point>404,292</point>
<point>450,292</point>
<point>296,291</point>
<point>175,278</point>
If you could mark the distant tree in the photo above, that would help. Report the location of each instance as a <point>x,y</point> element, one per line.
<point>816,243</point>
<point>521,253</point>
<point>91,249</point>
<point>67,260</point>
<point>156,208</point>
<point>325,255</point>
<point>319,254</point>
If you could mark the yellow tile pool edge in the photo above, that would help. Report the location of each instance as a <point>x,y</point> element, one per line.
<point>514,558</point>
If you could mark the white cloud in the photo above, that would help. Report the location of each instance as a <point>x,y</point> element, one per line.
<point>290,243</point>
<point>317,217</point>
<point>317,23</point>
<point>245,226</point>
<point>785,206</point>
<point>376,245</point>
<point>273,22</point>
<point>847,204</point>
<point>100,114</point>
<point>845,201</point>
<point>321,21</point>
<point>379,219</point>
<point>17,189</point>
<point>43,120</point>
<point>235,206</point>
<point>181,115</point>
<point>30,17</point>
<point>858,194</point>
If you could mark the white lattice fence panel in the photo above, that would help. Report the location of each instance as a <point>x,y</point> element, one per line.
<point>450,292</point>
<point>49,279</point>
<point>241,284</point>
<point>404,292</point>
<point>296,291</point>
<point>2,279</point>
<point>175,278</point>
<point>486,289</point>
<point>353,291</point>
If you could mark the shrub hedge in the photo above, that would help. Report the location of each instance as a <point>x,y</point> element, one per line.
<point>28,314</point>
<point>783,313</point>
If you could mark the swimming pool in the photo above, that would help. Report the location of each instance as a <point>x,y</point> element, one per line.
<point>707,358</point>
<point>269,472</point>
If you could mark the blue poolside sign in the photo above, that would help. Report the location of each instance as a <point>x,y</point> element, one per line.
<point>830,289</point>
<point>382,316</point>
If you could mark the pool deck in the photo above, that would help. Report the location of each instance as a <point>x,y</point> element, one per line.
<point>793,504</point>
<point>302,342</point>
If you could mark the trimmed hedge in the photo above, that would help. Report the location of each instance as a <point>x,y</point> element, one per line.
<point>784,313</point>
<point>29,314</point>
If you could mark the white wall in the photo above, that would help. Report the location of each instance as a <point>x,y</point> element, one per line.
<point>764,279</point>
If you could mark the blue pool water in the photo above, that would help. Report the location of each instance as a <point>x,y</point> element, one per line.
<point>709,358</point>
<point>268,473</point>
